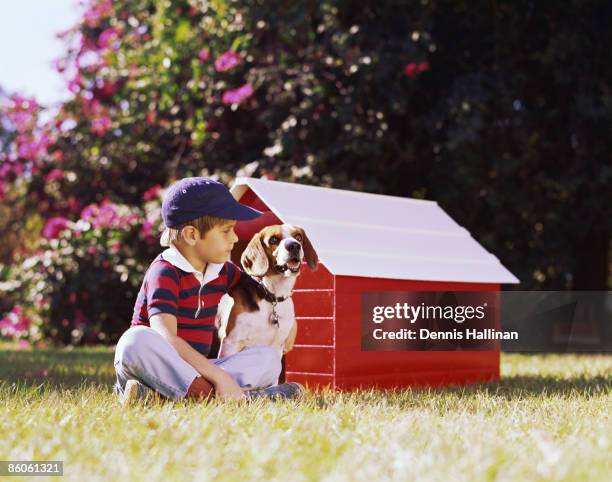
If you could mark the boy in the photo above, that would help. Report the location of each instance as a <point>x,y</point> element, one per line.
<point>166,347</point>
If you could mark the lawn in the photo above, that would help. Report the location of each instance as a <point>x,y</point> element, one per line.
<point>548,419</point>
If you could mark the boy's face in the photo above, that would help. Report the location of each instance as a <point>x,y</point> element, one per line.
<point>217,244</point>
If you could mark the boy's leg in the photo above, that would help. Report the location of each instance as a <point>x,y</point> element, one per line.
<point>254,367</point>
<point>143,354</point>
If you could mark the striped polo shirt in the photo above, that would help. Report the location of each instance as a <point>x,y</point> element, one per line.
<point>172,285</point>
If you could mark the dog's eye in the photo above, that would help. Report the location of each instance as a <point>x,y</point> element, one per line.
<point>273,240</point>
<point>298,237</point>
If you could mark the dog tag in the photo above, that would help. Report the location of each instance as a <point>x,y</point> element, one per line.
<point>274,317</point>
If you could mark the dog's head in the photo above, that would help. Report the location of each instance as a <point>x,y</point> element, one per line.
<point>278,249</point>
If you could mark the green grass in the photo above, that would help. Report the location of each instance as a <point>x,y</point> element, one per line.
<point>548,419</point>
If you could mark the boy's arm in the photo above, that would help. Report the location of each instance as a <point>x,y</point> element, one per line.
<point>165,325</point>
<point>162,289</point>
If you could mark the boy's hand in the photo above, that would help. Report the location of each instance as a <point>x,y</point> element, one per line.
<point>227,389</point>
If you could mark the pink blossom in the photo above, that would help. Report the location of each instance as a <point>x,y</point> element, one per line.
<point>15,323</point>
<point>55,175</point>
<point>23,103</point>
<point>94,106</point>
<point>147,229</point>
<point>89,212</point>
<point>22,112</point>
<point>412,70</point>
<point>6,327</point>
<point>107,37</point>
<point>101,125</point>
<point>107,215</point>
<point>92,249</point>
<point>97,9</point>
<point>54,227</point>
<point>203,54</point>
<point>23,325</point>
<point>5,168</point>
<point>227,61</point>
<point>131,219</point>
<point>152,192</point>
<point>236,96</point>
<point>18,169</point>
<point>33,147</point>
<point>23,345</point>
<point>75,84</point>
<point>87,44</point>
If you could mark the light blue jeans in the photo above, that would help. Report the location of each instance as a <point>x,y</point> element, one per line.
<point>145,355</point>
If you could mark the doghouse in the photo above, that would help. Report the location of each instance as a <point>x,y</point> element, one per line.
<point>370,242</point>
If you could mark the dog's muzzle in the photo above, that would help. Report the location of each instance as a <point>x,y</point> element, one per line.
<point>293,250</point>
<point>284,267</point>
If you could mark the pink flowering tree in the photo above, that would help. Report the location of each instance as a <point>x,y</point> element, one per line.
<point>163,90</point>
<point>83,273</point>
<point>168,89</point>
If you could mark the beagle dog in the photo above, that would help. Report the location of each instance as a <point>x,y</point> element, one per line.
<point>260,310</point>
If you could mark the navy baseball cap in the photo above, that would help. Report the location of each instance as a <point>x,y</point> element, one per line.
<point>193,197</point>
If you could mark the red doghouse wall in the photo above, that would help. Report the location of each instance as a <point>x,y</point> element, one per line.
<point>388,369</point>
<point>327,350</point>
<point>312,359</point>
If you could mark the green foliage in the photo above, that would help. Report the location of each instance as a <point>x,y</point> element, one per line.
<point>498,111</point>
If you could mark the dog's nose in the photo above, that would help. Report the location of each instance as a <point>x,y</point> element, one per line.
<point>293,246</point>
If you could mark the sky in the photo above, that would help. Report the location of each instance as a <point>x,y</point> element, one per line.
<point>28,45</point>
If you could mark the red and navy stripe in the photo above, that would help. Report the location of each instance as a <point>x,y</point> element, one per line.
<point>168,289</point>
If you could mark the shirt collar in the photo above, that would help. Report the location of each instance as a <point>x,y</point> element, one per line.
<point>174,256</point>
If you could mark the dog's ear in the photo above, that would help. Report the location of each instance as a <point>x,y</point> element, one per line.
<point>312,259</point>
<point>254,259</point>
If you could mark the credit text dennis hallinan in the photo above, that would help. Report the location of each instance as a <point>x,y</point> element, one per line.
<point>412,313</point>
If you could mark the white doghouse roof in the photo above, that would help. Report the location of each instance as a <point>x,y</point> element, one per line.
<point>373,235</point>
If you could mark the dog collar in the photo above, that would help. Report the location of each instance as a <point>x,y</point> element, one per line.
<point>269,296</point>
<point>272,298</point>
